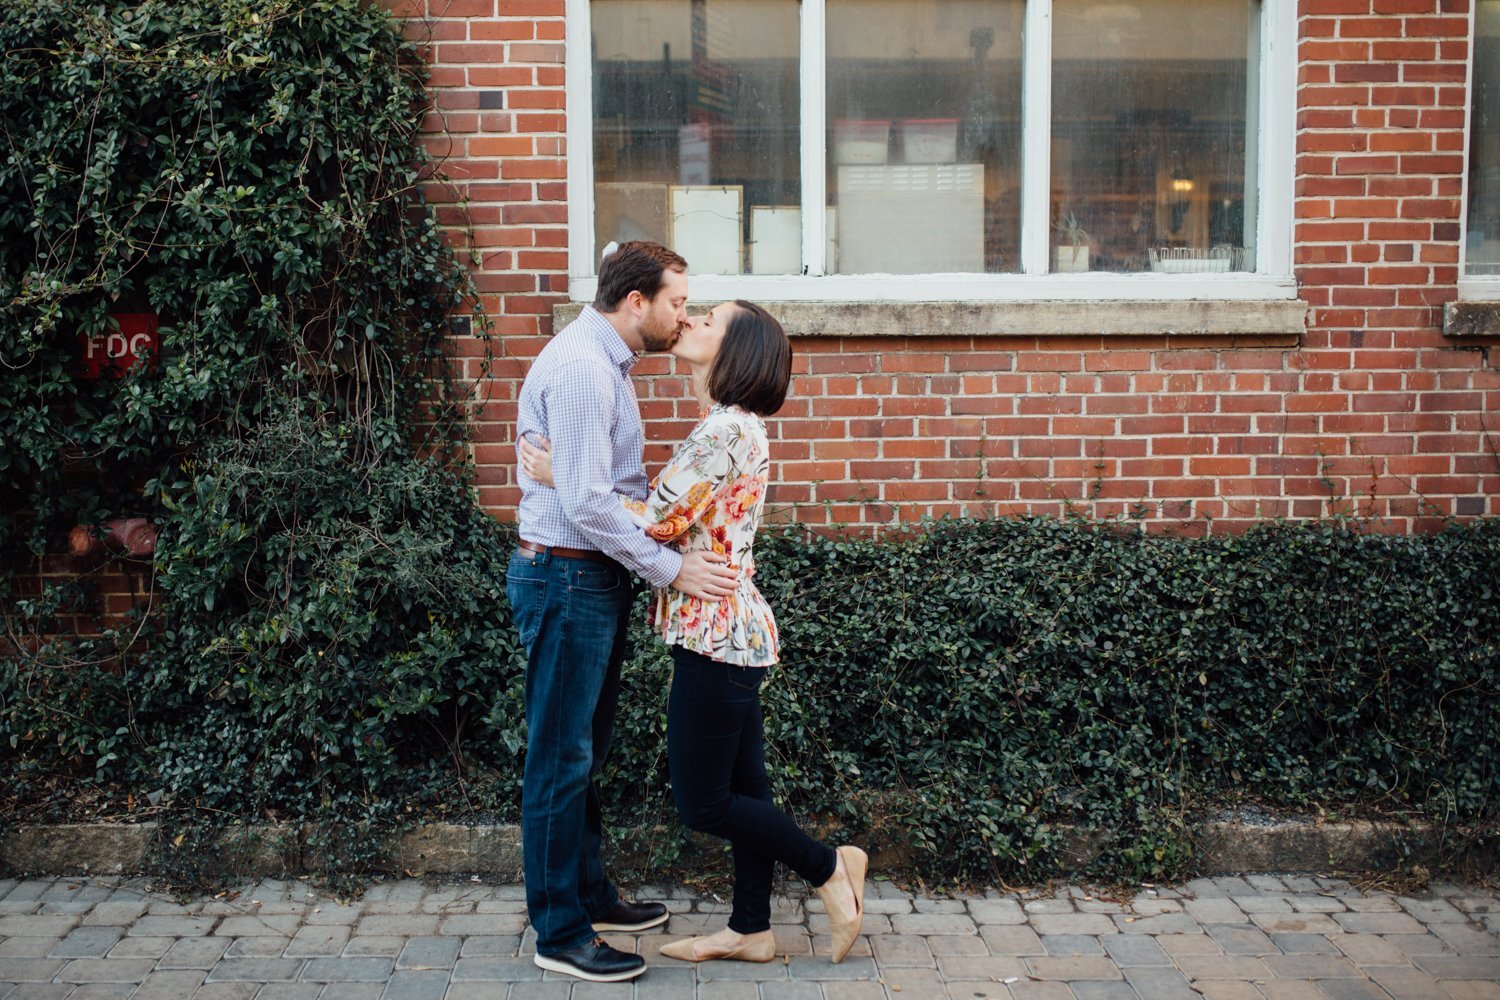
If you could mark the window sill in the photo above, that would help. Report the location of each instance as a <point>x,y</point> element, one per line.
<point>1483,288</point>
<point>1469,319</point>
<point>1100,317</point>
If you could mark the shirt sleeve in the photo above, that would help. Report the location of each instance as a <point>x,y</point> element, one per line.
<point>580,410</point>
<point>687,485</point>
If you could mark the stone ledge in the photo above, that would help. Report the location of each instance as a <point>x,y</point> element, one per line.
<point>1472,319</point>
<point>1224,846</point>
<point>1108,318</point>
<point>101,848</point>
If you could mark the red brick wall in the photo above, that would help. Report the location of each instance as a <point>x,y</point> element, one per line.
<point>1374,411</point>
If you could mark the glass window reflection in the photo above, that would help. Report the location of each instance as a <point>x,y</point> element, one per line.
<point>1153,122</point>
<point>924,136</point>
<point>696,130</point>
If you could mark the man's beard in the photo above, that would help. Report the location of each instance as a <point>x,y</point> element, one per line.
<point>658,340</point>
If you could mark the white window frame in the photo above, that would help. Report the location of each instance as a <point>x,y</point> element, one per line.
<point>1484,288</point>
<point>1271,279</point>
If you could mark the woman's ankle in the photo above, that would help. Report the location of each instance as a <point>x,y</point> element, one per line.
<point>839,868</point>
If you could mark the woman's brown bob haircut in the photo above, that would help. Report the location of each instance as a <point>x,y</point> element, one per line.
<point>636,266</point>
<point>754,363</point>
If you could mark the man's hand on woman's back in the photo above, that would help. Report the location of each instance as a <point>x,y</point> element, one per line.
<point>536,460</point>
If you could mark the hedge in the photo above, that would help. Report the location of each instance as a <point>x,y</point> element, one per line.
<point>993,681</point>
<point>249,172</point>
<point>974,689</point>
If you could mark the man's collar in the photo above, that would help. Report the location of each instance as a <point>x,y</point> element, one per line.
<point>609,339</point>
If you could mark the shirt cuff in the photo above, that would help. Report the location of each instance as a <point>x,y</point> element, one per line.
<point>664,570</point>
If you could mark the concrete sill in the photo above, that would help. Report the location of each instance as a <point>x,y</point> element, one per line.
<point>1257,319</point>
<point>1472,320</point>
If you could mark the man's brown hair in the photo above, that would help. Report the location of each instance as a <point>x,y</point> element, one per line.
<point>636,266</point>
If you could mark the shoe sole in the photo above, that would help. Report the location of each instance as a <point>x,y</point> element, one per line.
<point>645,925</point>
<point>543,962</point>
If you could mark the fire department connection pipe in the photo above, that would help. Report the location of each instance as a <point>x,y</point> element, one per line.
<point>135,536</point>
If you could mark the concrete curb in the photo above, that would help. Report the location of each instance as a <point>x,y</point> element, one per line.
<point>447,848</point>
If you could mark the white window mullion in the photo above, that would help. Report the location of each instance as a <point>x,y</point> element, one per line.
<point>1036,137</point>
<point>814,129</point>
<point>1276,172</point>
<point>579,90</point>
<point>1255,57</point>
<point>1466,194</point>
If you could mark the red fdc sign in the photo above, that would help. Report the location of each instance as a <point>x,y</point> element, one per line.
<point>113,351</point>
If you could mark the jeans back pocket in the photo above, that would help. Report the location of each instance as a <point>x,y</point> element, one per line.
<point>526,588</point>
<point>745,678</point>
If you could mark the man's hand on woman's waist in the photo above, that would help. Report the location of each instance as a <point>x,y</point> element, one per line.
<point>706,575</point>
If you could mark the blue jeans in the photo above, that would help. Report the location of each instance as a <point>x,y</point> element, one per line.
<point>571,615</point>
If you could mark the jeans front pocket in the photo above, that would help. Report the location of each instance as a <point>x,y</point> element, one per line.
<point>597,579</point>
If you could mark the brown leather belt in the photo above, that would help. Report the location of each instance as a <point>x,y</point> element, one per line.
<point>593,555</point>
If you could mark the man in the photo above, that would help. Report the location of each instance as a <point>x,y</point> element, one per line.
<point>570,586</point>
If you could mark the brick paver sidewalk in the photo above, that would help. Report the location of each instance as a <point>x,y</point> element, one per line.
<point>1284,938</point>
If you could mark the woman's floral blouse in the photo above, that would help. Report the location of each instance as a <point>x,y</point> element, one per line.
<point>710,496</point>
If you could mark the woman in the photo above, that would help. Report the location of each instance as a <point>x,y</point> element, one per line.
<point>711,495</point>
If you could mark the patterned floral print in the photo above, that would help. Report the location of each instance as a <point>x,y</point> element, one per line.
<point>711,495</point>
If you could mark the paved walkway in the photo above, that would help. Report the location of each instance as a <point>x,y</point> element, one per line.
<point>1288,938</point>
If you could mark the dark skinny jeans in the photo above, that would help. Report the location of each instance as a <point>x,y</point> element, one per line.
<point>716,752</point>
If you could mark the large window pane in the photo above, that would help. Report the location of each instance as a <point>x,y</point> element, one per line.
<point>1153,124</point>
<point>924,137</point>
<point>1483,254</point>
<point>696,130</point>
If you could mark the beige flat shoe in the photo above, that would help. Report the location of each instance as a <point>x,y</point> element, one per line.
<point>844,925</point>
<point>754,948</point>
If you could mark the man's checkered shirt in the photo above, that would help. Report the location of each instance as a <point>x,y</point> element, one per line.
<point>578,395</point>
